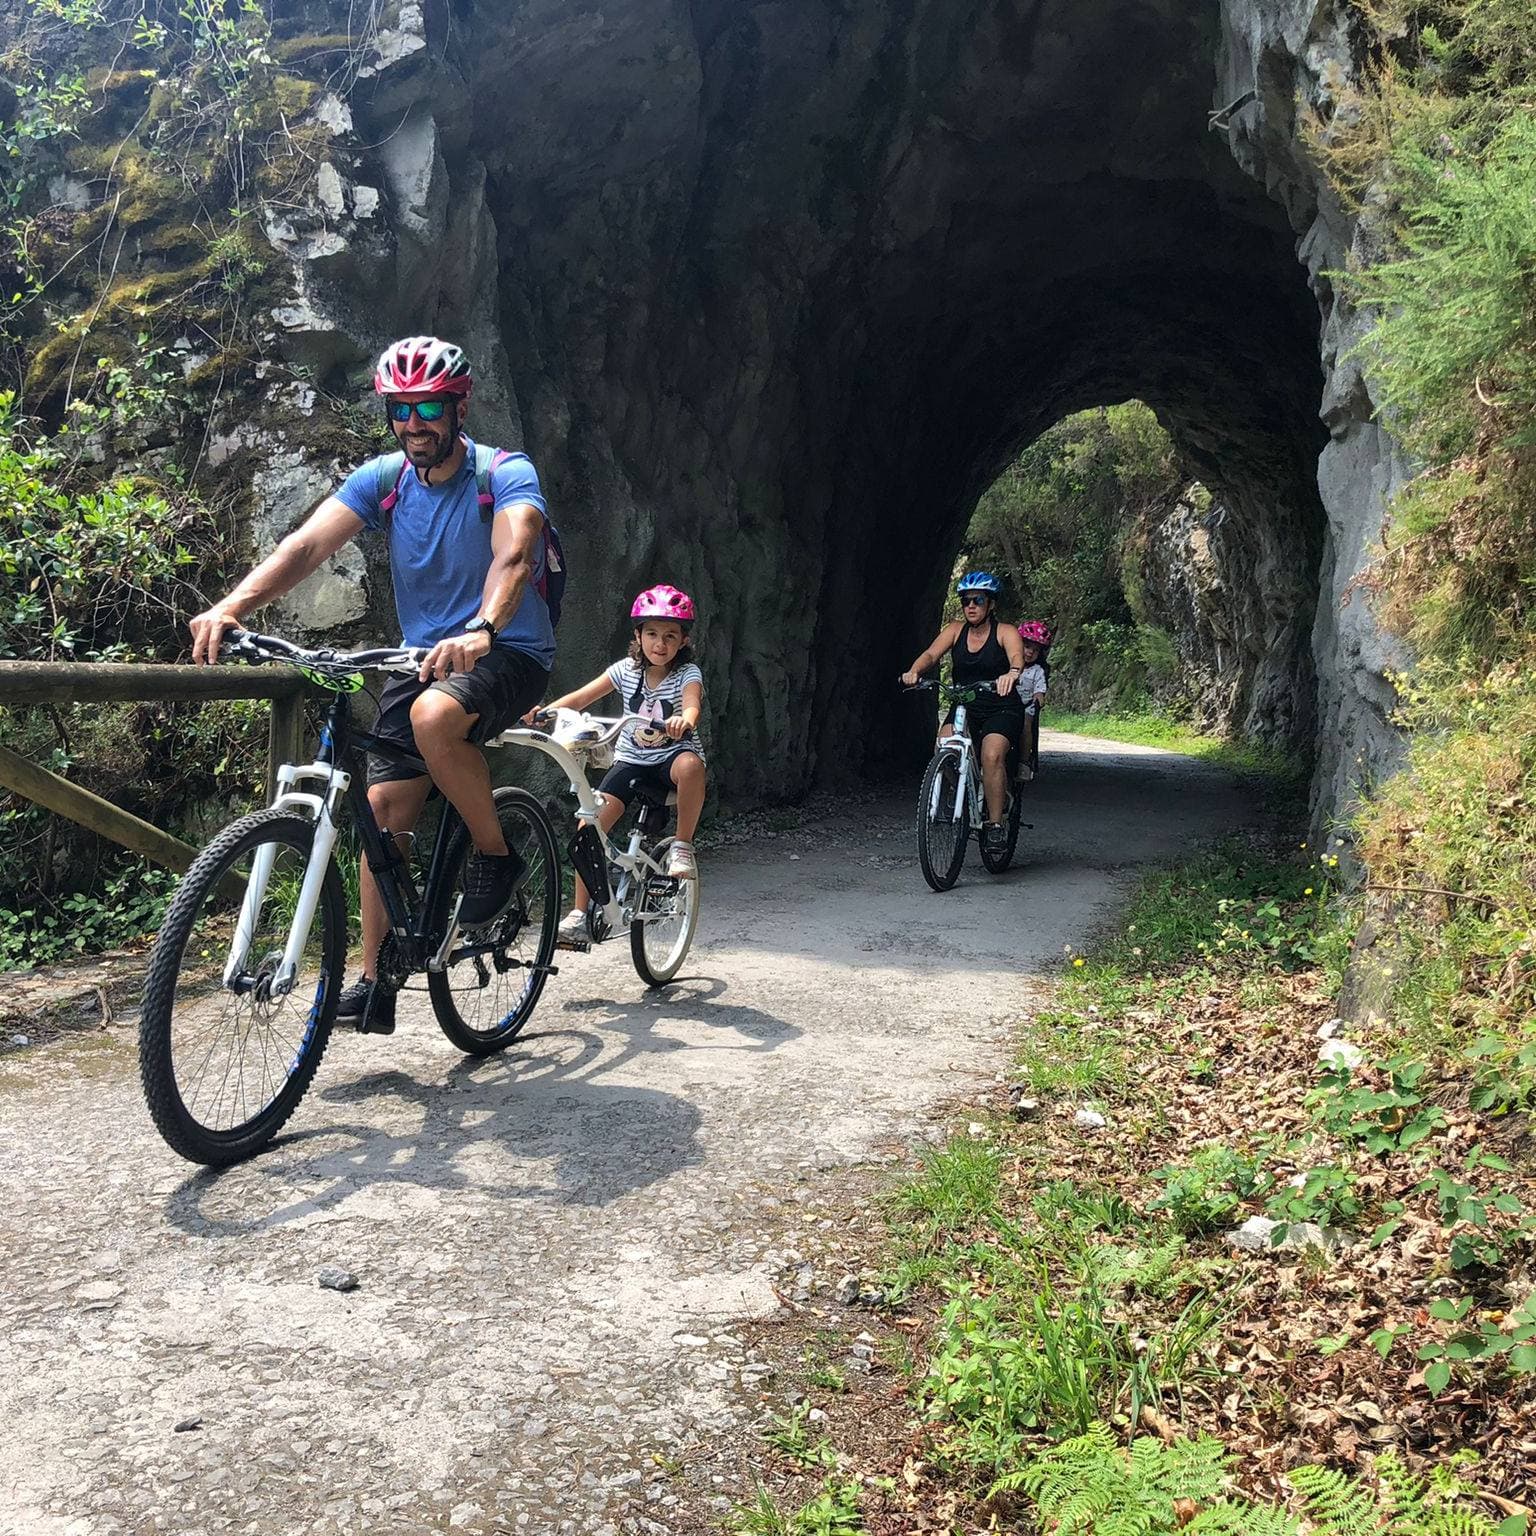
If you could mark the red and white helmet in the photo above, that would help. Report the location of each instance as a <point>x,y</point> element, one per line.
<point>663,602</point>
<point>1035,633</point>
<point>419,365</point>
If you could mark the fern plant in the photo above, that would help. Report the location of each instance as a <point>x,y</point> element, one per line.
<point>1092,1486</point>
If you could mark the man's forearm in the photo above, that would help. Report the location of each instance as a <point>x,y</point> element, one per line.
<point>280,572</point>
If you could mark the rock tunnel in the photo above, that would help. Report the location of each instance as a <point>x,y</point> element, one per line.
<point>772,291</point>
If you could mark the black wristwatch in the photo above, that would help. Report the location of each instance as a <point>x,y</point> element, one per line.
<point>481,626</point>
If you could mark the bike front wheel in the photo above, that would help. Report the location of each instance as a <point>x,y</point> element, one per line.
<point>225,1050</point>
<point>665,918</point>
<point>491,978</point>
<point>941,830</point>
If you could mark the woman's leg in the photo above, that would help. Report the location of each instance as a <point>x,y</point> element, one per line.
<point>994,773</point>
<point>688,780</point>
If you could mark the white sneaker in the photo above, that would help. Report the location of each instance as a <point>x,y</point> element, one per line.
<point>680,865</point>
<point>573,926</point>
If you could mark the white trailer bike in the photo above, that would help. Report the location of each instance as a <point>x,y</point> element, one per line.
<point>631,891</point>
<point>951,805</point>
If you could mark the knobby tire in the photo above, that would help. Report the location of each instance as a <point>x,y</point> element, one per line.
<point>478,1019</point>
<point>178,1121</point>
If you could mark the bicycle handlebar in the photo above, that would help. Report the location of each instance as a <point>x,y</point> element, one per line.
<point>949,690</point>
<point>249,646</point>
<point>609,726</point>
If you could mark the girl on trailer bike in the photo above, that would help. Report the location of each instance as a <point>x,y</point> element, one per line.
<point>982,651</point>
<point>660,679</point>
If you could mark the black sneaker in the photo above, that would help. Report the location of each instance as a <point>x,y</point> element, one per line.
<point>490,881</point>
<point>367,1007</point>
<point>994,835</point>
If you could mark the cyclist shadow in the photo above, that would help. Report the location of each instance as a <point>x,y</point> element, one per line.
<point>489,1128</point>
<point>687,1000</point>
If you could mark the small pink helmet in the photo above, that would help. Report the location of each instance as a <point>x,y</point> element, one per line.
<point>1035,632</point>
<point>419,364</point>
<point>663,602</point>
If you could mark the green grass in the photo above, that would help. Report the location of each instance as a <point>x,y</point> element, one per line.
<point>833,1512</point>
<point>1251,758</point>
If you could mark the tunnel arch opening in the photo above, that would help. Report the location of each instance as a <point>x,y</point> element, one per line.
<point>778,290</point>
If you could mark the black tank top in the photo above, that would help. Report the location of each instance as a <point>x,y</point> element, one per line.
<point>983,666</point>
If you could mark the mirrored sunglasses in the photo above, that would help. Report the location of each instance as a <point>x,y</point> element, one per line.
<point>427,410</point>
<point>972,599</point>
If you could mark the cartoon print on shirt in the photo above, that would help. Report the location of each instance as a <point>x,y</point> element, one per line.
<point>653,735</point>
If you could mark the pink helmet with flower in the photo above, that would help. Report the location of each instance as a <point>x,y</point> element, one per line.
<point>663,602</point>
<point>1035,633</point>
<point>422,365</point>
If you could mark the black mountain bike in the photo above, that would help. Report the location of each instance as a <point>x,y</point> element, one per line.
<point>245,975</point>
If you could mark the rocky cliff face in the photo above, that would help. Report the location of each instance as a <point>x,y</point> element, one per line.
<point>771,291</point>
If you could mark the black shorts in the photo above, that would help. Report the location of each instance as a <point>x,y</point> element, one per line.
<point>500,688</point>
<point>989,716</point>
<point>651,781</point>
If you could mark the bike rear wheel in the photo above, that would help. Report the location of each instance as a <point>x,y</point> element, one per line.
<point>996,861</point>
<point>941,834</point>
<point>225,1063</point>
<point>662,928</point>
<point>491,982</point>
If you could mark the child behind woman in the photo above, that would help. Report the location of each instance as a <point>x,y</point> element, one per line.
<point>660,680</point>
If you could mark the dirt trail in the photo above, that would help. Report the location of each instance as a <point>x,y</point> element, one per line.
<point>551,1245</point>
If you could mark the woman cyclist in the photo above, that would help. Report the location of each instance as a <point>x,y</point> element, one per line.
<point>982,651</point>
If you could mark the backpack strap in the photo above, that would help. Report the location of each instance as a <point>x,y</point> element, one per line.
<point>392,471</point>
<point>487,461</point>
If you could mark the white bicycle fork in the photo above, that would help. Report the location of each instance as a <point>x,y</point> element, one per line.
<point>322,807</point>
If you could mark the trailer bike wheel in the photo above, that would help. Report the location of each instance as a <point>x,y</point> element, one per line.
<point>665,918</point>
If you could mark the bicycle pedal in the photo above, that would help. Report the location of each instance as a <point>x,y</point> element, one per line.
<point>575,946</point>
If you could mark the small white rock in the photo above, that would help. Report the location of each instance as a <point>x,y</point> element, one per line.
<point>1340,1053</point>
<point>976,1129</point>
<point>1330,1028</point>
<point>1088,1120</point>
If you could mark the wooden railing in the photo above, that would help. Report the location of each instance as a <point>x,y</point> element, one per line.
<point>87,682</point>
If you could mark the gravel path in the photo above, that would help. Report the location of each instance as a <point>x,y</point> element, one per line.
<point>550,1246</point>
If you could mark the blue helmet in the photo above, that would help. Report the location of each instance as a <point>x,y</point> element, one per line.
<point>979,581</point>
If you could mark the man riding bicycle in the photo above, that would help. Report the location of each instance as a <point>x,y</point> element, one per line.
<point>983,651</point>
<point>467,581</point>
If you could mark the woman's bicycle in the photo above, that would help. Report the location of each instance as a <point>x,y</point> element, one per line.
<point>630,888</point>
<point>951,803</point>
<point>244,978</point>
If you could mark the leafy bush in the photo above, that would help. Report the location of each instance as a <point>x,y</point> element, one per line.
<point>1203,1195</point>
<point>89,570</point>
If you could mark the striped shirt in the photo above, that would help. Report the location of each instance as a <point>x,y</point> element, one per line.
<point>644,743</point>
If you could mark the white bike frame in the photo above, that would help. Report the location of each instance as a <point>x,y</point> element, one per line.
<point>968,784</point>
<point>570,746</point>
<point>969,794</point>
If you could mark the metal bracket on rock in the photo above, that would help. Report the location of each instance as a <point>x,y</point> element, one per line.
<point>1221,119</point>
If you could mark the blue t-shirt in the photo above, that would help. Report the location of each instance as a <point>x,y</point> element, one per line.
<point>440,551</point>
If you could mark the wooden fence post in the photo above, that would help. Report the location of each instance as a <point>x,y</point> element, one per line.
<point>58,795</point>
<point>285,736</point>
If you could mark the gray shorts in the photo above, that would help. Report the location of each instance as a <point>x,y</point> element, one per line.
<point>500,688</point>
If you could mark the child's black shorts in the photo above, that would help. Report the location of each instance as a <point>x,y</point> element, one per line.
<point>653,781</point>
